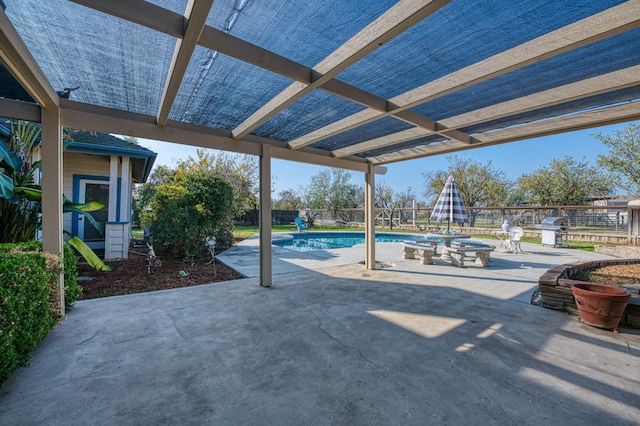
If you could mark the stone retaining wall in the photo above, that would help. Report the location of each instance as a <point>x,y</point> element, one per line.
<point>555,288</point>
<point>594,237</point>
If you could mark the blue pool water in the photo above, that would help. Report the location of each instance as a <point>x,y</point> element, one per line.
<point>310,241</point>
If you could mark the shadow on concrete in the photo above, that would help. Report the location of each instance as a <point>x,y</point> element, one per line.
<point>342,345</point>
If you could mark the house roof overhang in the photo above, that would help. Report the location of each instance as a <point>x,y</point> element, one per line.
<point>343,84</point>
<point>85,142</point>
<point>141,158</point>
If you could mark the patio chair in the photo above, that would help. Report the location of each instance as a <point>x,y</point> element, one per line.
<point>300,225</point>
<point>514,238</point>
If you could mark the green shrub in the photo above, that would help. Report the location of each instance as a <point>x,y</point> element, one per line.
<point>26,314</point>
<point>72,290</point>
<point>29,299</point>
<point>188,210</point>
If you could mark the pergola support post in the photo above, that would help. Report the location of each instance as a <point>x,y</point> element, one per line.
<point>52,188</point>
<point>266,269</point>
<point>114,163</point>
<point>369,219</point>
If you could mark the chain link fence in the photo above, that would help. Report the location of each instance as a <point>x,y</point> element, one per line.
<point>580,217</point>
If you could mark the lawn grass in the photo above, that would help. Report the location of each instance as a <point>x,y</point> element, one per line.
<point>245,231</point>
<point>578,245</point>
<point>241,232</point>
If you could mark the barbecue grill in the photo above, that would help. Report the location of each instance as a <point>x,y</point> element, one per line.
<point>555,231</point>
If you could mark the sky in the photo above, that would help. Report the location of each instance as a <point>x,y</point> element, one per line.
<point>514,159</point>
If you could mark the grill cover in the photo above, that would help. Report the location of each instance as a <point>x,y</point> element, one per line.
<point>555,221</point>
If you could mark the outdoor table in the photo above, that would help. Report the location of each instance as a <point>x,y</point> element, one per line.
<point>447,238</point>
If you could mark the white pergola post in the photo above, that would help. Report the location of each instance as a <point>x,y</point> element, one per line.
<point>266,269</point>
<point>369,218</point>
<point>52,187</point>
<point>125,188</point>
<point>113,189</point>
<point>125,204</point>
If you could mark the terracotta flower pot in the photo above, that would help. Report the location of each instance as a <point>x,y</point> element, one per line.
<point>600,305</point>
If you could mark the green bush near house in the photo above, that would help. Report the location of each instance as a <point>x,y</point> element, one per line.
<point>29,300</point>
<point>188,209</point>
<point>72,289</point>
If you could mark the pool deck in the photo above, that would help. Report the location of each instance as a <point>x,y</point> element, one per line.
<point>523,268</point>
<point>331,343</point>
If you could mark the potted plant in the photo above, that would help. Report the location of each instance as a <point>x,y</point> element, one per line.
<point>600,305</point>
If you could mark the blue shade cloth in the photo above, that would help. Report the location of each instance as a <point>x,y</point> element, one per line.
<point>121,65</point>
<point>449,206</point>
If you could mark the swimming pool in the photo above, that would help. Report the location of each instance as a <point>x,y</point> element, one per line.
<point>311,241</point>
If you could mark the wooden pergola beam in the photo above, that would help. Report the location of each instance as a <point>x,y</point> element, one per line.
<point>142,13</point>
<point>610,22</point>
<point>571,123</point>
<point>593,86</point>
<point>394,21</point>
<point>20,110</point>
<point>80,115</point>
<point>16,57</point>
<point>171,23</point>
<point>196,12</point>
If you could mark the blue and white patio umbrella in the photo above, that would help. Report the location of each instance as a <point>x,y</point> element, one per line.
<point>449,206</point>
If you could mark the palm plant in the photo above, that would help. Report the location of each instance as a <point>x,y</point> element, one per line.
<point>21,196</point>
<point>19,202</point>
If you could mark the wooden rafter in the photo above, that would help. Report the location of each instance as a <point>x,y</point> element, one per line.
<point>196,12</point>
<point>600,117</point>
<point>396,20</point>
<point>615,20</point>
<point>171,23</point>
<point>21,64</point>
<point>593,86</point>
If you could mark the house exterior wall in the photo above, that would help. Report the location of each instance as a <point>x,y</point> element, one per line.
<point>116,241</point>
<point>80,164</point>
<point>86,166</point>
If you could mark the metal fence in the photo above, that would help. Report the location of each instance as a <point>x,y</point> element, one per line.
<point>584,217</point>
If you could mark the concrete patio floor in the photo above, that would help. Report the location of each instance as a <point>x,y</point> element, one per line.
<point>333,343</point>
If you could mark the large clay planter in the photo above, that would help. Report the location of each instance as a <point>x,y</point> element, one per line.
<point>600,305</point>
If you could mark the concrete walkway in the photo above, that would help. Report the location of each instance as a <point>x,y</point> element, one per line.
<point>334,344</point>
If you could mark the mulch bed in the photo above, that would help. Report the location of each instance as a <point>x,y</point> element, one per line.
<point>131,276</point>
<point>616,275</point>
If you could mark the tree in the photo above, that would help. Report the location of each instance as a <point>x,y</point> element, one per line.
<point>241,171</point>
<point>390,201</point>
<point>131,139</point>
<point>144,193</point>
<point>288,199</point>
<point>188,208</point>
<point>623,160</point>
<point>330,189</point>
<point>565,183</point>
<point>480,185</point>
